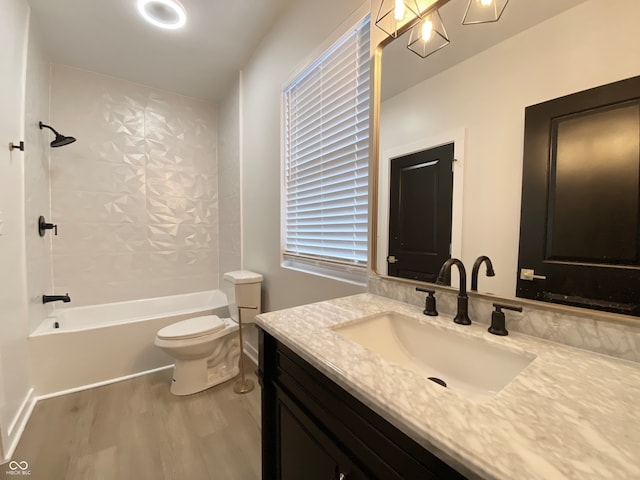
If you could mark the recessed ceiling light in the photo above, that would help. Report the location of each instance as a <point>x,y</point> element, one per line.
<point>163,13</point>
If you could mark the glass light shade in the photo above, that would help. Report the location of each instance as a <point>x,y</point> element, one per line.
<point>428,36</point>
<point>393,14</point>
<point>483,11</point>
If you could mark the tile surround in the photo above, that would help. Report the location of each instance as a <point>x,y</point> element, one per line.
<point>136,196</point>
<point>616,339</point>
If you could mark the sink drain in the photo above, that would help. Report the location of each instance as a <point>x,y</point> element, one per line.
<point>438,381</point>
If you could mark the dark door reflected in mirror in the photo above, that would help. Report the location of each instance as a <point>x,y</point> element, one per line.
<point>421,199</point>
<point>580,200</point>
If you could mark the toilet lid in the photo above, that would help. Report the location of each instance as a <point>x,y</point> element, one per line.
<point>192,327</point>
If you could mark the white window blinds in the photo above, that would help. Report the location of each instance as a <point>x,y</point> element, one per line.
<point>326,150</point>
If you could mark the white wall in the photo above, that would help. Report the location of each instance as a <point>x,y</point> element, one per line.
<point>592,44</point>
<point>135,198</point>
<point>14,362</point>
<point>37,181</point>
<point>289,46</point>
<point>229,182</point>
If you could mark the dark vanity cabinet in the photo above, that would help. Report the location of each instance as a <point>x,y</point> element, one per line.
<point>313,429</point>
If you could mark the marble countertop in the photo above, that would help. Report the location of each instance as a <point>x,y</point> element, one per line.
<point>570,414</point>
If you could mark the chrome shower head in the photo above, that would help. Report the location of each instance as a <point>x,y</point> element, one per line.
<point>60,140</point>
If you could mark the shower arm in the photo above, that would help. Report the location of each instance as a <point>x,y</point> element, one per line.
<point>42,125</point>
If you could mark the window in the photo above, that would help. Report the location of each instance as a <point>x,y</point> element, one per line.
<point>326,158</point>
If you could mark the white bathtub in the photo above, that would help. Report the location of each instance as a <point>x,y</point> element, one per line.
<point>82,347</point>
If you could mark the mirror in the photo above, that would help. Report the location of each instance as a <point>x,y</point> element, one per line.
<point>474,91</point>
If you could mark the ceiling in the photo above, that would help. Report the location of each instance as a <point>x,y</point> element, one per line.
<point>200,60</point>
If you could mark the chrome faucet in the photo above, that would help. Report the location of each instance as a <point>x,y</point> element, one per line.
<point>56,298</point>
<point>476,268</point>
<point>462,316</point>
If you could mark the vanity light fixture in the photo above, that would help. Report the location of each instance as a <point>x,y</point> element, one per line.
<point>393,14</point>
<point>428,36</point>
<point>483,11</point>
<point>169,14</point>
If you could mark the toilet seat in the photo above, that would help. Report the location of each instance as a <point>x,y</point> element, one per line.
<point>191,328</point>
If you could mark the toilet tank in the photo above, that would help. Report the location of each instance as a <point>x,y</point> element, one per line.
<point>243,288</point>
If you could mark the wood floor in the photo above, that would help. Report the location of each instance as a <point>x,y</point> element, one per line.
<point>137,430</point>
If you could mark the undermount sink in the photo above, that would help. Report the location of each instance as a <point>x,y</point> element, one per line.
<point>466,364</point>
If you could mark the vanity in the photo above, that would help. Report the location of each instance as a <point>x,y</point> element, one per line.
<point>355,387</point>
<point>335,406</point>
<point>313,428</point>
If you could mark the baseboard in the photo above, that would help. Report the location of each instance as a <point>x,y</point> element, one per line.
<point>100,384</point>
<point>251,352</point>
<point>19,423</point>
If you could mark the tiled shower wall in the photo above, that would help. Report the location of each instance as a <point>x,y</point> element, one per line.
<point>135,198</point>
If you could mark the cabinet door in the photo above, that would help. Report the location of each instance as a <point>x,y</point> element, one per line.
<point>305,451</point>
<point>302,454</point>
<point>313,429</point>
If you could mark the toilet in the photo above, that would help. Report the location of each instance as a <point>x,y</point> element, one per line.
<point>206,349</point>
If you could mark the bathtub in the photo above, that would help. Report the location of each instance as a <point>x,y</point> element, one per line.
<point>83,347</point>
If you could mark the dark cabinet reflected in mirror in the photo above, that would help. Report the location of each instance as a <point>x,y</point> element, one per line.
<point>580,200</point>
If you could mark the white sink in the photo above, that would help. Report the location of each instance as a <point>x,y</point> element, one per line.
<point>467,364</point>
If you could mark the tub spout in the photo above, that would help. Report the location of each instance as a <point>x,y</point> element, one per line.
<point>56,298</point>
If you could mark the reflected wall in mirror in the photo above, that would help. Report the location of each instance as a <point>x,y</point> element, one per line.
<point>474,93</point>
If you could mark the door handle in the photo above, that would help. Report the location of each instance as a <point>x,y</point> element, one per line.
<point>529,274</point>
<point>391,259</point>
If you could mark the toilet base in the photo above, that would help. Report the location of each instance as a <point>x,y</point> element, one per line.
<point>193,376</point>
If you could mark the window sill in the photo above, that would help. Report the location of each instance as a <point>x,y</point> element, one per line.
<point>343,273</point>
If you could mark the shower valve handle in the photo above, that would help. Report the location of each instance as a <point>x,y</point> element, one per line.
<point>43,226</point>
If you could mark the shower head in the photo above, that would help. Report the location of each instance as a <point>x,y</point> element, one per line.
<point>60,140</point>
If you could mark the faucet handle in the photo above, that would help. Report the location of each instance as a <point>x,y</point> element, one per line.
<point>43,226</point>
<point>430,302</point>
<point>498,319</point>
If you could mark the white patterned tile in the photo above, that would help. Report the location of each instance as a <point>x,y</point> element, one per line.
<point>92,207</point>
<point>98,238</point>
<point>137,193</point>
<point>80,174</point>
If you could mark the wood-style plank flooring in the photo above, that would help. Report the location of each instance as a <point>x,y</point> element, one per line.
<point>136,429</point>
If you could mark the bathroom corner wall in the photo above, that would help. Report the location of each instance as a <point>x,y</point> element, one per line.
<point>229,182</point>
<point>37,181</point>
<point>135,198</point>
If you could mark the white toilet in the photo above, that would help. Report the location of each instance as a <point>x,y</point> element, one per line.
<point>207,349</point>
